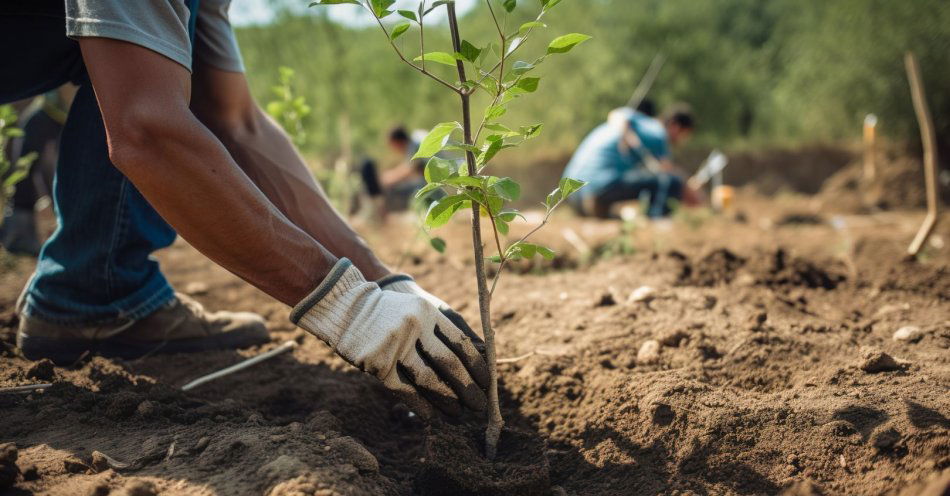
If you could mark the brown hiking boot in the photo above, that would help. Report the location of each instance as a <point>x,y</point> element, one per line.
<point>181,326</point>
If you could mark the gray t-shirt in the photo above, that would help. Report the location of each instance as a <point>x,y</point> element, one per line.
<point>160,26</point>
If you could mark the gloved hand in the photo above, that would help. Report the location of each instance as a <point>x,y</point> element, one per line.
<point>400,338</point>
<point>404,283</point>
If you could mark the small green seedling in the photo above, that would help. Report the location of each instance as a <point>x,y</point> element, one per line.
<point>10,173</point>
<point>288,109</point>
<point>490,68</point>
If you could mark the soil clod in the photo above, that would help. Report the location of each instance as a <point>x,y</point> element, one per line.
<point>874,360</point>
<point>42,370</point>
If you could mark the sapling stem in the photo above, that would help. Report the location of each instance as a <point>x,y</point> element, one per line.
<point>495,421</point>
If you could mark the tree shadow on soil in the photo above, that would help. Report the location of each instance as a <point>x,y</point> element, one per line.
<point>134,412</point>
<point>922,417</point>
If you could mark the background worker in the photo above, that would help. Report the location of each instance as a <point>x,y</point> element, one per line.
<point>629,156</point>
<point>163,137</point>
<point>394,188</point>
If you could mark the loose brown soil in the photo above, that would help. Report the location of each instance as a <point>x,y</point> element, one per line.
<point>769,367</point>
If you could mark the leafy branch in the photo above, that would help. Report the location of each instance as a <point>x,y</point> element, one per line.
<point>468,188</point>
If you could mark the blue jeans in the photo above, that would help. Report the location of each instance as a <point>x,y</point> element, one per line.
<point>96,268</point>
<point>633,185</point>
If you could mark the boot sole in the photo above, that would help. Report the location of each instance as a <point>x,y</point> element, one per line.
<point>68,351</point>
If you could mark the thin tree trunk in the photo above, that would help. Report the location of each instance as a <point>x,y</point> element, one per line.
<point>495,422</point>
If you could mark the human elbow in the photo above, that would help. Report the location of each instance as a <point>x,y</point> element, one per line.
<point>138,136</point>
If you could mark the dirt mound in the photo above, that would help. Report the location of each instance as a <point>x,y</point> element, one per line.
<point>775,268</point>
<point>899,184</point>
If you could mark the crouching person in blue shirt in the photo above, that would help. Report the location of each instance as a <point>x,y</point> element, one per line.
<point>628,158</point>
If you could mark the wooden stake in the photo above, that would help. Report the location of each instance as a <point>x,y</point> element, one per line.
<point>929,140</point>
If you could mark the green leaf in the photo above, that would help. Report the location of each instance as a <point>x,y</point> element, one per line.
<point>528,26</point>
<point>545,252</point>
<point>494,146</point>
<point>495,111</point>
<point>521,67</point>
<point>441,211</point>
<point>494,259</point>
<point>463,181</point>
<point>469,51</point>
<point>507,188</point>
<point>399,31</point>
<point>549,4</point>
<point>509,5</point>
<point>568,186</point>
<point>439,169</point>
<point>436,139</point>
<point>438,57</point>
<point>380,7</point>
<point>408,14</point>
<point>564,44</point>
<point>528,85</point>
<point>502,226</point>
<point>531,131</point>
<point>16,176</point>
<point>428,188</point>
<point>438,244</point>
<point>510,215</point>
<point>501,128</point>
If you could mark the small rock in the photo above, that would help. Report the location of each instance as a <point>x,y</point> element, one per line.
<point>102,462</point>
<point>255,418</point>
<point>354,453</point>
<point>649,352</point>
<point>42,370</point>
<point>606,300</point>
<point>673,338</point>
<point>74,465</point>
<point>643,294</point>
<point>709,302</point>
<point>874,360</point>
<point>886,439</point>
<point>196,288</point>
<point>145,409</point>
<point>908,333</point>
<point>138,487</point>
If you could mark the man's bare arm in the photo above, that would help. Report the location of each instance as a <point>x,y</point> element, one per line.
<point>223,102</point>
<point>188,176</point>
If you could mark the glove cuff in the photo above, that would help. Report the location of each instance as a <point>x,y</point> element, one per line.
<point>327,312</point>
<point>392,279</point>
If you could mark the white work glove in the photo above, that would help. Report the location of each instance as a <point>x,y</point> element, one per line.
<point>400,338</point>
<point>403,283</point>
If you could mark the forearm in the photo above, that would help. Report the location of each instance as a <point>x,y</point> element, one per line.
<point>188,176</point>
<point>267,156</point>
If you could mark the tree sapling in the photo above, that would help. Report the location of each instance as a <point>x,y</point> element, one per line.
<point>487,68</point>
